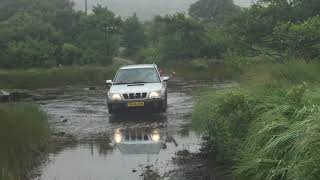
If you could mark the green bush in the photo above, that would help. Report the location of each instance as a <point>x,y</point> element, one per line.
<point>235,60</point>
<point>295,94</point>
<point>29,53</point>
<point>24,135</point>
<point>70,55</point>
<point>216,42</point>
<point>265,132</point>
<point>149,55</point>
<point>224,116</point>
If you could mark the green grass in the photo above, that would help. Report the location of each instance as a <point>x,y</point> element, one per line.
<point>55,77</point>
<point>200,69</point>
<point>24,134</point>
<point>277,74</point>
<point>283,144</point>
<point>268,127</point>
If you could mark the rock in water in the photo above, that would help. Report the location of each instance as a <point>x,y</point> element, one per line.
<point>4,93</point>
<point>18,96</point>
<point>4,96</point>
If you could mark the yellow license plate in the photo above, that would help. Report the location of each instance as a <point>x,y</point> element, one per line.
<point>135,104</point>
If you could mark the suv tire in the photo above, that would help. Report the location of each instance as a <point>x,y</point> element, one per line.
<point>164,105</point>
<point>110,110</point>
<point>164,108</point>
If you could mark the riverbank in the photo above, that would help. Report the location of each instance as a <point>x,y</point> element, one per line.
<point>24,136</point>
<point>54,77</point>
<point>267,127</point>
<point>97,75</point>
<point>201,69</point>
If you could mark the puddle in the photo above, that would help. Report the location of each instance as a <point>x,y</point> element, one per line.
<point>118,147</point>
<point>121,162</point>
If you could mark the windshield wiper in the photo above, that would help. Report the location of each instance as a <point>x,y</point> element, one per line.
<point>138,82</point>
<point>120,83</point>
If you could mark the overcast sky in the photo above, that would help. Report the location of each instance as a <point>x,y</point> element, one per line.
<point>146,9</point>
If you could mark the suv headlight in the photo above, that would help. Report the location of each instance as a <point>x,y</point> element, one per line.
<point>155,136</point>
<point>115,97</point>
<point>155,94</point>
<point>118,136</point>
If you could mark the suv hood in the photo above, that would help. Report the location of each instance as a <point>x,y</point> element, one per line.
<point>135,88</point>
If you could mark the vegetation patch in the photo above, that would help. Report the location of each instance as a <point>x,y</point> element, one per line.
<point>24,135</point>
<point>200,69</point>
<point>268,130</point>
<point>55,77</point>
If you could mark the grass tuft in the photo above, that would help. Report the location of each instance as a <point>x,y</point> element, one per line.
<point>24,134</point>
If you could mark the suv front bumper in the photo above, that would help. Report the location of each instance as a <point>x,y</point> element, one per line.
<point>149,104</point>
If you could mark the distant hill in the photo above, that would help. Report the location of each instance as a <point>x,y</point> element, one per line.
<point>146,9</point>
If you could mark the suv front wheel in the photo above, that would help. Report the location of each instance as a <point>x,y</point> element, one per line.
<point>110,110</point>
<point>164,107</point>
<point>164,104</point>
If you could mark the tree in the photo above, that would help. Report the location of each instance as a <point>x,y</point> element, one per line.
<point>67,22</point>
<point>32,31</point>
<point>292,10</point>
<point>154,30</point>
<point>255,25</point>
<point>252,26</point>
<point>75,37</point>
<point>213,10</point>
<point>10,7</point>
<point>41,8</point>
<point>302,39</point>
<point>133,37</point>
<point>24,25</point>
<point>182,37</point>
<point>101,32</point>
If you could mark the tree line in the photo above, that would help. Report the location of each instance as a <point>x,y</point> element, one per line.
<point>47,33</point>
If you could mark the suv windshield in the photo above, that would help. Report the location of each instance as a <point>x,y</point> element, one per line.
<point>137,75</point>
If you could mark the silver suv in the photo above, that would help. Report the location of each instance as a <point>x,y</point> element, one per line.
<point>138,87</point>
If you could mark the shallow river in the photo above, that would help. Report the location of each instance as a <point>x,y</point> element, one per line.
<point>105,147</point>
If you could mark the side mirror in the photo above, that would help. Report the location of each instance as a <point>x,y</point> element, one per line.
<point>166,78</point>
<point>109,82</point>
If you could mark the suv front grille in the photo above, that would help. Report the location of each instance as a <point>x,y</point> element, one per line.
<point>135,96</point>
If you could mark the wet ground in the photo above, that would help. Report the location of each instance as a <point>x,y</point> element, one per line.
<point>93,145</point>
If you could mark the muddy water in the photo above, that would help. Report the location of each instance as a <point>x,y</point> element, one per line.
<point>119,147</point>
